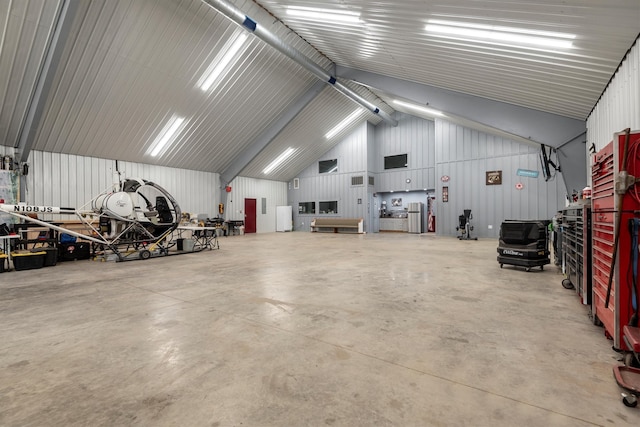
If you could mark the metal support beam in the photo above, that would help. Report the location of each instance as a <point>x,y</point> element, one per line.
<point>240,18</point>
<point>574,163</point>
<point>44,81</point>
<point>533,125</point>
<point>520,124</point>
<point>53,53</point>
<point>244,158</point>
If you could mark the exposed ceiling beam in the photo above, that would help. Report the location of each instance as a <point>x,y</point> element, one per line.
<point>52,55</point>
<point>532,125</point>
<point>240,18</point>
<point>245,157</point>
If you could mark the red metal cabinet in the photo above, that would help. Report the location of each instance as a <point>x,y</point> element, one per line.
<point>606,166</point>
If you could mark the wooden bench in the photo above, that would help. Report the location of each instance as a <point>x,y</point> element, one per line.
<point>338,223</point>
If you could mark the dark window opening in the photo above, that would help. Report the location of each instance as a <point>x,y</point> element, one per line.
<point>395,162</point>
<point>328,166</point>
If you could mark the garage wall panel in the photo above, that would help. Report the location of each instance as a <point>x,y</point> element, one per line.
<point>352,154</point>
<point>65,180</point>
<point>465,156</point>
<point>415,137</point>
<point>275,193</point>
<point>619,106</point>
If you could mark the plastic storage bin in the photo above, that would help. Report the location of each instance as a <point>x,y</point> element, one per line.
<point>28,260</point>
<point>52,255</point>
<point>186,245</point>
<point>3,263</point>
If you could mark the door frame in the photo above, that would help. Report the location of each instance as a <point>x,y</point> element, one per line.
<point>254,221</point>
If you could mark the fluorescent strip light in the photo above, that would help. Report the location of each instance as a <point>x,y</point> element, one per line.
<point>281,158</point>
<point>167,135</point>
<point>501,33</point>
<point>343,124</point>
<point>324,15</point>
<point>219,65</point>
<point>541,33</point>
<point>420,108</point>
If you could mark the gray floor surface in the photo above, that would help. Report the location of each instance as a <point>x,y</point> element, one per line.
<point>304,329</point>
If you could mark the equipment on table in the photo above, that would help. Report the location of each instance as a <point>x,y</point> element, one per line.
<point>524,244</point>
<point>464,226</point>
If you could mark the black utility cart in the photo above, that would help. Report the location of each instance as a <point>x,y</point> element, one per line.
<point>524,243</point>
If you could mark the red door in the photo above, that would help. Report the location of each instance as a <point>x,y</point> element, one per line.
<point>249,215</point>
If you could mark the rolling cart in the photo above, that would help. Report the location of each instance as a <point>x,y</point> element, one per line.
<point>524,244</point>
<point>628,376</point>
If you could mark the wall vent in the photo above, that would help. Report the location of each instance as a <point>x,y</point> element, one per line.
<point>296,183</point>
<point>371,182</point>
<point>357,180</point>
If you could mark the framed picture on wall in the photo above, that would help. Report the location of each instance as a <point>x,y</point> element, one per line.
<point>396,202</point>
<point>494,178</point>
<point>445,194</point>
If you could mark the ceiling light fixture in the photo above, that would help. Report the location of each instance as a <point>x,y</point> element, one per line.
<point>219,64</point>
<point>324,15</point>
<point>511,35</point>
<point>167,135</point>
<point>281,158</point>
<point>343,124</point>
<point>420,108</point>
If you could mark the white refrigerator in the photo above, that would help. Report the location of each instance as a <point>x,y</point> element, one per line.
<point>284,218</point>
<point>414,214</point>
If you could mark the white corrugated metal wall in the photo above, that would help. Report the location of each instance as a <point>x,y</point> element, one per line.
<point>414,136</point>
<point>465,155</point>
<point>275,193</point>
<point>315,187</point>
<point>65,180</point>
<point>619,106</point>
<point>435,150</point>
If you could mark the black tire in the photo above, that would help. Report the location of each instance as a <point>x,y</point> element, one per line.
<point>145,254</point>
<point>630,400</point>
<point>566,283</point>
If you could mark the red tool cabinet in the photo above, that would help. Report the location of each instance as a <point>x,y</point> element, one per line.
<point>605,173</point>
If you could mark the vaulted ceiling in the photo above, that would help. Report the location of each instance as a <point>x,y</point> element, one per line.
<point>105,78</point>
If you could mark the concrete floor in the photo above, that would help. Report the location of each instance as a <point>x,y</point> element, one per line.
<point>302,329</point>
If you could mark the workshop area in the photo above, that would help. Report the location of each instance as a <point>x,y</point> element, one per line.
<point>280,329</point>
<point>257,213</point>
